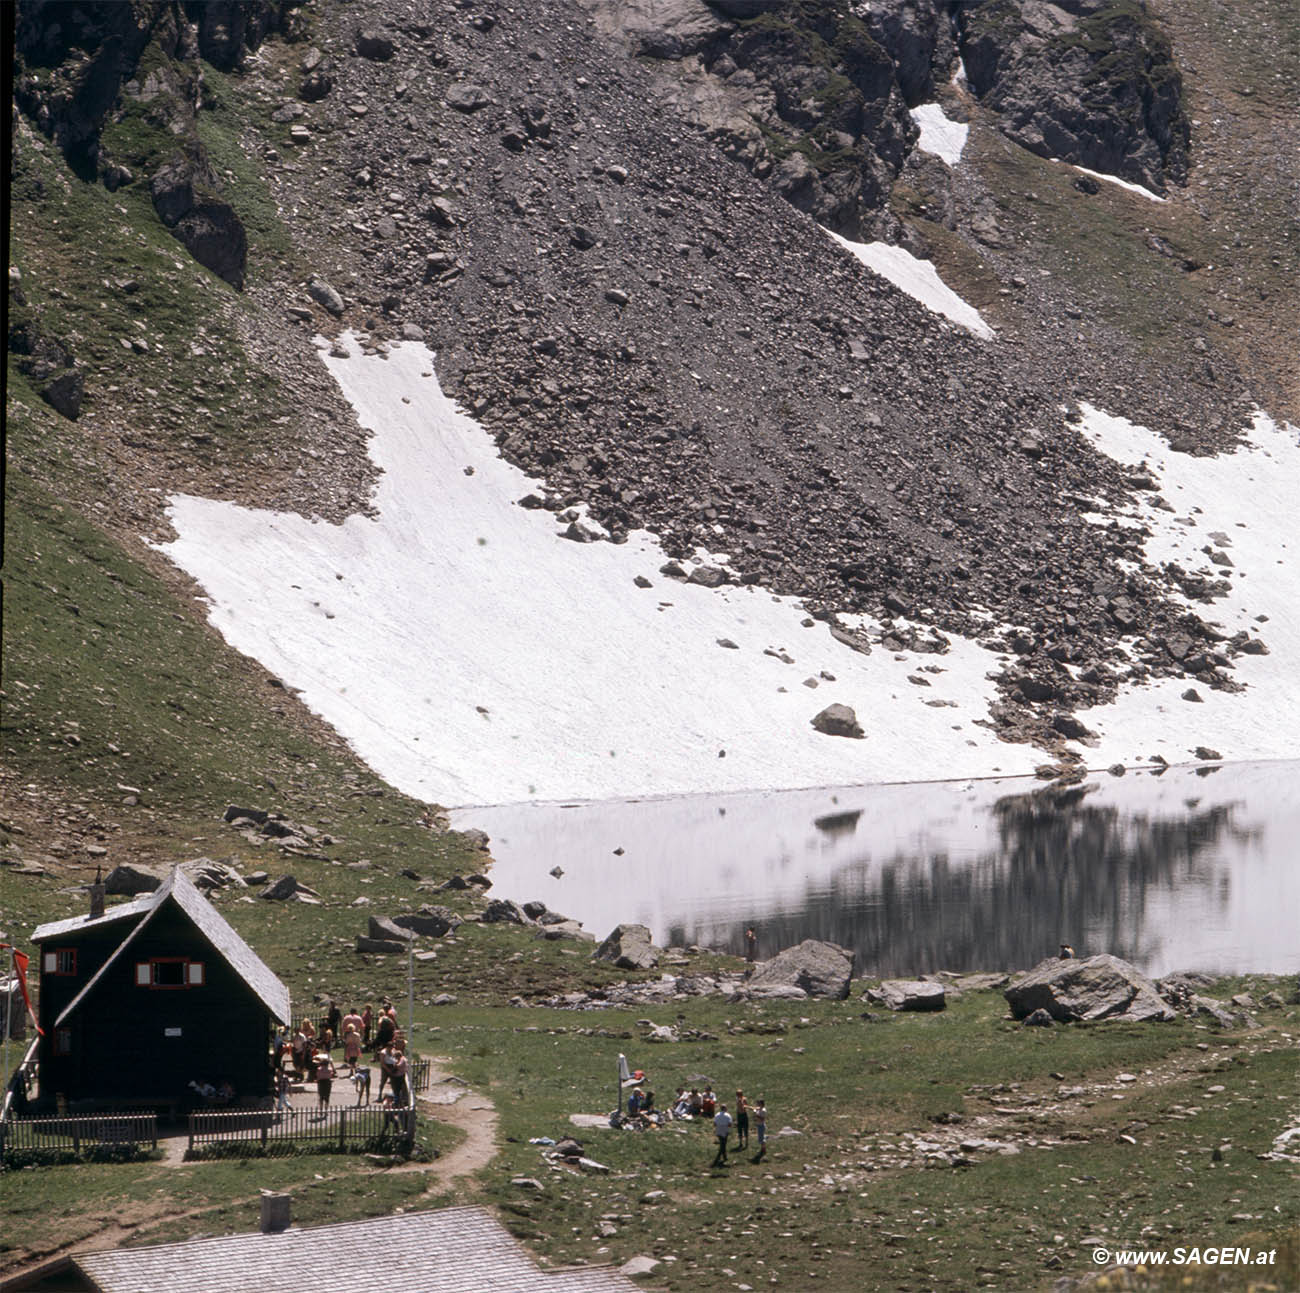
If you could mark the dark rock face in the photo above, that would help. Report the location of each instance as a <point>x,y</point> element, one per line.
<point>1100,987</point>
<point>206,224</point>
<point>1086,81</point>
<point>49,364</point>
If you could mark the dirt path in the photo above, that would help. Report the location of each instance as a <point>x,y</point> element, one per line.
<point>448,1100</point>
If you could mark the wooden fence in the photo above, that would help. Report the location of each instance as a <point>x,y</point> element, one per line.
<point>283,1130</point>
<point>79,1133</point>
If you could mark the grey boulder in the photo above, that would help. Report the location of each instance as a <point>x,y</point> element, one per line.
<point>819,969</point>
<point>909,994</point>
<point>629,948</point>
<point>1100,987</point>
<point>838,720</point>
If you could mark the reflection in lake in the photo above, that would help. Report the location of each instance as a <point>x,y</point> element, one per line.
<point>1185,869</point>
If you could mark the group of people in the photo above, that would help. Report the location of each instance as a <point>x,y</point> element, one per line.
<point>309,1052</point>
<point>696,1103</point>
<point>704,1104</point>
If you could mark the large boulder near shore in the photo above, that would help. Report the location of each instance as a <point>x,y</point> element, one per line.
<point>820,969</point>
<point>505,911</point>
<point>1100,987</point>
<point>629,948</point>
<point>908,994</point>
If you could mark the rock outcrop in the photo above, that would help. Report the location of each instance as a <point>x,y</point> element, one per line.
<point>816,968</point>
<point>629,947</point>
<point>908,994</point>
<point>1099,987</point>
<point>1084,81</point>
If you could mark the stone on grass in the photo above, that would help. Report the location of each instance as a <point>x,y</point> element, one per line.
<point>909,994</point>
<point>382,927</point>
<point>1100,987</point>
<point>285,887</point>
<point>380,946</point>
<point>504,911</point>
<point>820,969</point>
<point>629,948</point>
<point>639,1266</point>
<point>432,921</point>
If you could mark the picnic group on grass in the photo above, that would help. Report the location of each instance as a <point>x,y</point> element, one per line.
<point>704,1104</point>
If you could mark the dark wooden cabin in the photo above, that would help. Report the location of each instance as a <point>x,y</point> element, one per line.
<point>140,999</point>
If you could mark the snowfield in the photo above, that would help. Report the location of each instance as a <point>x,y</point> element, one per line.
<point>1242,506</point>
<point>473,656</point>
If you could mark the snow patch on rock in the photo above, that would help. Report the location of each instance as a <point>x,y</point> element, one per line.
<point>920,280</point>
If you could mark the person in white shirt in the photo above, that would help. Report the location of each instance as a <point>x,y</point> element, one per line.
<point>721,1129</point>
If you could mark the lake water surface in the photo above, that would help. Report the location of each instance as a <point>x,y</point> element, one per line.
<point>1185,869</point>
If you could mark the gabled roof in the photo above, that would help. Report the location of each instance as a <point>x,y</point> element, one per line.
<point>241,958</point>
<point>452,1250</point>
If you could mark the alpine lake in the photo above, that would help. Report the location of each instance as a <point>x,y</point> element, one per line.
<point>1176,868</point>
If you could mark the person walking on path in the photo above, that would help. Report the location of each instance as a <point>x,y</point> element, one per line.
<point>742,1120</point>
<point>721,1129</point>
<point>760,1125</point>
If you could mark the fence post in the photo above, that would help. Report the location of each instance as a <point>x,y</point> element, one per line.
<point>76,1135</point>
<point>343,1122</point>
<point>191,1120</point>
<point>266,1124</point>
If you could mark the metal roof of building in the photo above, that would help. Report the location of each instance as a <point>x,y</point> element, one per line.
<point>451,1250</point>
<point>207,919</point>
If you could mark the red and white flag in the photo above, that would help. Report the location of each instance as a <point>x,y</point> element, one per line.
<point>21,962</point>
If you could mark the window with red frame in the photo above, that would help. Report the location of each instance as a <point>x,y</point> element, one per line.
<point>169,972</point>
<point>60,960</point>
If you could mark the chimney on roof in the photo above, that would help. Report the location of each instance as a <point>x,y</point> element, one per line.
<point>275,1212</point>
<point>97,895</point>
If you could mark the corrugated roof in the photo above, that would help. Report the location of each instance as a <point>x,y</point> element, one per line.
<point>210,922</point>
<point>452,1250</point>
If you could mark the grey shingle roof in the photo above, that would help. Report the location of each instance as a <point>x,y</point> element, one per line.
<point>75,924</point>
<point>209,921</point>
<point>452,1250</point>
